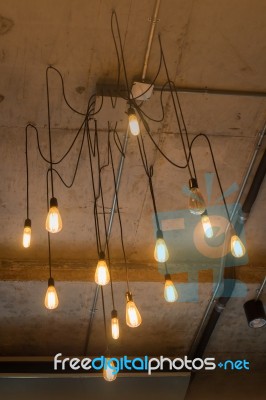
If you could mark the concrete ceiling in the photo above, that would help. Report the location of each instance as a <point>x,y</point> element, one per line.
<point>207,45</point>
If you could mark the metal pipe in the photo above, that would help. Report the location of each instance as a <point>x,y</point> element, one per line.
<point>109,229</point>
<point>243,185</point>
<point>261,288</point>
<point>226,92</point>
<point>151,35</point>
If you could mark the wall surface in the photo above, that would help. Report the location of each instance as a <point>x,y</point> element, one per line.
<point>230,386</point>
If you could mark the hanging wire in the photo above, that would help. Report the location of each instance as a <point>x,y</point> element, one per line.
<point>27,172</point>
<point>50,67</point>
<point>215,168</point>
<point>104,322</point>
<point>100,170</point>
<point>48,233</point>
<point>174,104</point>
<point>114,16</point>
<point>49,131</point>
<point>118,209</point>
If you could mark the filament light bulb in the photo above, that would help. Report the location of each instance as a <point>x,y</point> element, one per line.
<point>237,247</point>
<point>133,317</point>
<point>27,233</point>
<point>207,226</point>
<point>102,276</point>
<point>161,253</point>
<point>133,122</point>
<point>109,370</point>
<point>53,220</point>
<point>114,325</point>
<point>196,201</point>
<point>51,298</point>
<point>170,292</point>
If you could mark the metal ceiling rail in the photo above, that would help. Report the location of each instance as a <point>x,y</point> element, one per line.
<point>212,91</point>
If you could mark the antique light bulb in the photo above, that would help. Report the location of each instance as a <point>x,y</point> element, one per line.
<point>109,371</point>
<point>206,224</point>
<point>114,325</point>
<point>26,233</point>
<point>102,276</point>
<point>133,122</point>
<point>160,252</point>
<point>53,220</point>
<point>196,202</point>
<point>133,317</point>
<point>51,298</point>
<point>237,247</point>
<point>170,293</point>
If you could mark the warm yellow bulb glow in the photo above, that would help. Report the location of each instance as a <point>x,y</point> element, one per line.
<point>207,227</point>
<point>133,317</point>
<point>115,328</point>
<point>102,276</point>
<point>26,236</point>
<point>237,247</point>
<point>51,298</point>
<point>170,293</point>
<point>53,220</point>
<point>161,252</point>
<point>133,122</point>
<point>109,372</point>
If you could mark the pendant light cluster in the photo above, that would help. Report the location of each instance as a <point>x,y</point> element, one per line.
<point>89,135</point>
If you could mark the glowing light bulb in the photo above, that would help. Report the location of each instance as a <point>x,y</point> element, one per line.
<point>102,276</point>
<point>196,201</point>
<point>170,293</point>
<point>51,298</point>
<point>237,247</point>
<point>160,252</point>
<point>133,317</point>
<point>27,233</point>
<point>109,370</point>
<point>114,325</point>
<point>133,122</point>
<point>53,220</point>
<point>207,226</point>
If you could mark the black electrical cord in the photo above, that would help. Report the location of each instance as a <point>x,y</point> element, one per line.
<point>114,16</point>
<point>104,322</point>
<point>27,172</point>
<point>118,211</point>
<point>175,108</point>
<point>49,131</point>
<point>48,233</point>
<point>100,171</point>
<point>215,168</point>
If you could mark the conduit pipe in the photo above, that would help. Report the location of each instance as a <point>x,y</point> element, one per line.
<point>151,36</point>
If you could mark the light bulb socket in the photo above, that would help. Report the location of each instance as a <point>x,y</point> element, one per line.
<point>204,214</point>
<point>101,255</point>
<point>50,281</point>
<point>167,277</point>
<point>114,314</point>
<point>129,296</point>
<point>255,313</point>
<point>159,234</point>
<point>193,183</point>
<point>27,223</point>
<point>131,111</point>
<point>53,202</point>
